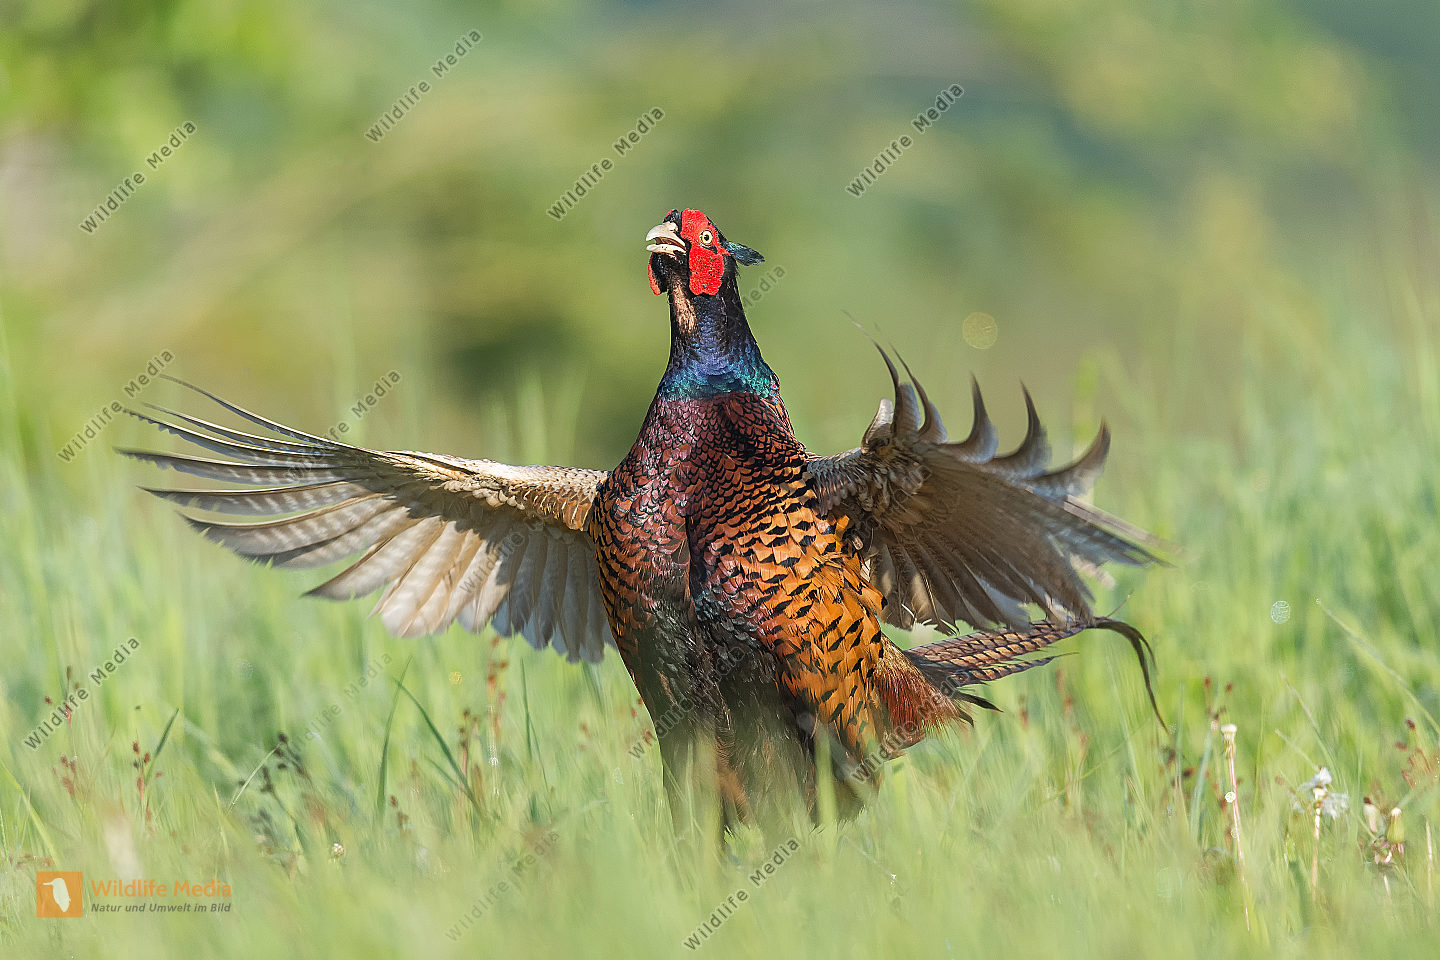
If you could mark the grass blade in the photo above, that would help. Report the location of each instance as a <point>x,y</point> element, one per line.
<point>164,736</point>
<point>385,744</point>
<point>444,747</point>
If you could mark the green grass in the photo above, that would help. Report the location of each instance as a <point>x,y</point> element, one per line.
<point>1065,825</point>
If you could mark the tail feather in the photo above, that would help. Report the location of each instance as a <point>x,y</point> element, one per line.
<point>982,657</point>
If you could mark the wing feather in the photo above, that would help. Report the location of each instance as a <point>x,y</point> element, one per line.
<point>519,602</point>
<point>446,538</point>
<point>952,532</point>
<point>304,496</point>
<point>434,550</point>
<point>490,591</point>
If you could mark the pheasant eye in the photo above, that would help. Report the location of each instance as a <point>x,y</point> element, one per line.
<point>706,237</point>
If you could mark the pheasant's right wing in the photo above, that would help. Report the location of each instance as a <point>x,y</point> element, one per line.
<point>448,538</point>
<point>950,531</point>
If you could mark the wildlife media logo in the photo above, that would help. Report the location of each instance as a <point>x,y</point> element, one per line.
<point>58,893</point>
<point>61,893</point>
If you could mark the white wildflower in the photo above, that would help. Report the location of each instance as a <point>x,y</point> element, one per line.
<point>1317,790</point>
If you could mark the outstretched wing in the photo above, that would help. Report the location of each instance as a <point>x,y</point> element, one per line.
<point>447,538</point>
<point>952,532</point>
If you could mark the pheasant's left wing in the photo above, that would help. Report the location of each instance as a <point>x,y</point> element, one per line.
<point>449,539</point>
<point>950,531</point>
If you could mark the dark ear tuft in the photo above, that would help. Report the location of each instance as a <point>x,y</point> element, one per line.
<point>742,253</point>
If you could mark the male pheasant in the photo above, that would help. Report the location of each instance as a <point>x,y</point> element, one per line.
<point>743,579</point>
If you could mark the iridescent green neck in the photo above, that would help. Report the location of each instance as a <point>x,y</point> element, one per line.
<point>712,351</point>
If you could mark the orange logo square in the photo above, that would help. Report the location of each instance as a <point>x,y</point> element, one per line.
<point>59,893</point>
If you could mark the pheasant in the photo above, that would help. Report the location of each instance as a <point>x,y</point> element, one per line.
<point>743,580</point>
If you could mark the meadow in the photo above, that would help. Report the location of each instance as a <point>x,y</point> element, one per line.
<point>1237,273</point>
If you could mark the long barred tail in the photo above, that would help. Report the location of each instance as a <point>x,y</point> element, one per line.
<point>981,657</point>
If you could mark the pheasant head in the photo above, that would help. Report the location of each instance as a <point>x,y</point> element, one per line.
<point>688,249</point>
<point>712,351</point>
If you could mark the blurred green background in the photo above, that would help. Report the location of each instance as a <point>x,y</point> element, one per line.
<point>1146,187</point>
<point>1212,225</point>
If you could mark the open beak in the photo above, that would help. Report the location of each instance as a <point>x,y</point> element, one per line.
<point>665,239</point>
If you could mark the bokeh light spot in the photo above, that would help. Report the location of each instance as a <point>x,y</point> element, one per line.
<point>981,331</point>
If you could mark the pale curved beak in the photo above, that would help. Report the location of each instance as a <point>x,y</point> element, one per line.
<point>665,239</point>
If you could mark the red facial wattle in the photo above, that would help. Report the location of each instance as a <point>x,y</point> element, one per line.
<point>707,266</point>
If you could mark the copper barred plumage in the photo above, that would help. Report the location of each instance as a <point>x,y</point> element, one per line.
<point>743,580</point>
